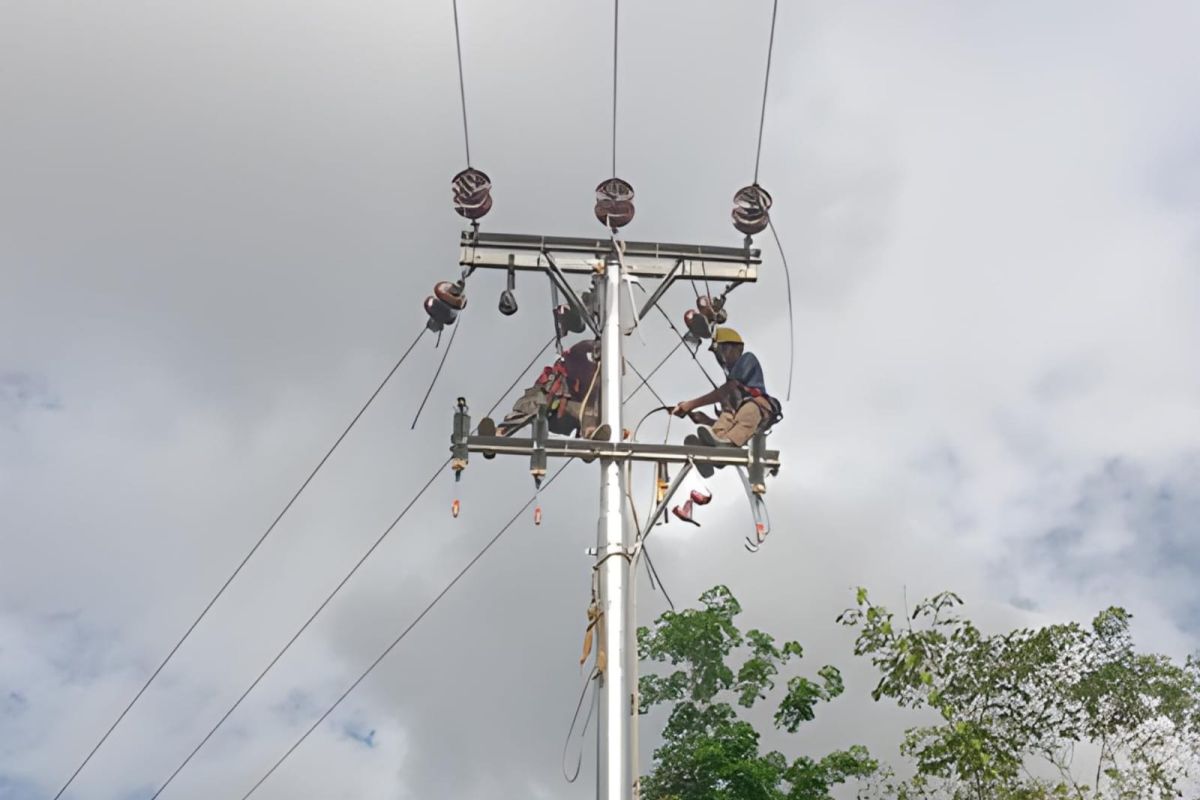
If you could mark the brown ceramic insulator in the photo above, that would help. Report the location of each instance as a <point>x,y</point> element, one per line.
<point>751,207</point>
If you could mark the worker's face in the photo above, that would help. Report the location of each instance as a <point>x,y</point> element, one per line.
<point>728,353</point>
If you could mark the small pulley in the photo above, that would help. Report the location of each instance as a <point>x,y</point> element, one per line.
<point>444,304</point>
<point>472,193</point>
<point>614,203</point>
<point>751,207</point>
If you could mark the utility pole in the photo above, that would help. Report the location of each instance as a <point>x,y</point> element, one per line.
<point>608,263</point>
<point>615,774</point>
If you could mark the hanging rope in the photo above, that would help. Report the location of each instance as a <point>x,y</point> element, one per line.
<point>462,90</point>
<point>762,119</point>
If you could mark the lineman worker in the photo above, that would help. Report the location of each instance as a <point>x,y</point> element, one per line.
<point>567,388</point>
<point>746,407</point>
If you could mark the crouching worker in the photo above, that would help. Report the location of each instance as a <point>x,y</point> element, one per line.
<point>746,407</point>
<point>568,390</point>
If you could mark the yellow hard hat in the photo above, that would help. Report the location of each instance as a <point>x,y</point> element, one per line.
<point>726,336</point>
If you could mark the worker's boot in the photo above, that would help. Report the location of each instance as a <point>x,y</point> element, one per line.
<point>706,436</point>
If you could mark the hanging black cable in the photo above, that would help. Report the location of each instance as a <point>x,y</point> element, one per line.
<point>762,119</point>
<point>787,275</point>
<point>436,374</point>
<point>405,632</point>
<point>239,567</point>
<point>462,89</point>
<point>340,585</point>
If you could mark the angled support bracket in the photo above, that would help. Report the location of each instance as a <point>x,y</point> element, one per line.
<point>560,281</point>
<point>667,281</point>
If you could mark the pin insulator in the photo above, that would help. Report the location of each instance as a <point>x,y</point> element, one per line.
<point>439,313</point>
<point>472,193</point>
<point>697,325</point>
<point>751,207</point>
<point>614,203</point>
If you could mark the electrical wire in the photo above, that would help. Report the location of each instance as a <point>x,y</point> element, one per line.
<point>787,275</point>
<point>345,579</point>
<point>646,382</point>
<point>405,632</point>
<point>462,90</point>
<point>762,119</point>
<point>616,17</point>
<point>239,567</point>
<point>651,375</point>
<point>691,352</point>
<point>436,374</point>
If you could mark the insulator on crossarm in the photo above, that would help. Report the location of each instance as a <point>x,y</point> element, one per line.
<point>751,209</point>
<point>712,308</point>
<point>696,324</point>
<point>568,319</point>
<point>452,294</point>
<point>439,313</point>
<point>472,193</point>
<point>614,203</point>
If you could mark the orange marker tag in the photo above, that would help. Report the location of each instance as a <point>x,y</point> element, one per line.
<point>454,508</point>
<point>537,516</point>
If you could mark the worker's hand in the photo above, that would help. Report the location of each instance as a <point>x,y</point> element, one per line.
<point>682,409</point>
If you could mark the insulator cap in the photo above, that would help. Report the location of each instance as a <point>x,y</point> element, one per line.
<point>472,193</point>
<point>614,203</point>
<point>751,205</point>
<point>452,294</point>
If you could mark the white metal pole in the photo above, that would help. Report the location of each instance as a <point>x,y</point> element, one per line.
<point>615,757</point>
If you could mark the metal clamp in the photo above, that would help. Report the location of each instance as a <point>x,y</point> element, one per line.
<point>459,451</point>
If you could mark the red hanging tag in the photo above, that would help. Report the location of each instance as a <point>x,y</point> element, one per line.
<point>454,508</point>
<point>537,515</point>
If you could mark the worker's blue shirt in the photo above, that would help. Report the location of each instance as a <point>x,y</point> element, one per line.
<point>748,372</point>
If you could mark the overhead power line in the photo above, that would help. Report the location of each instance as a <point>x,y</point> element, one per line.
<point>238,569</point>
<point>336,589</point>
<point>474,560</point>
<point>462,89</point>
<point>616,18</point>
<point>762,119</point>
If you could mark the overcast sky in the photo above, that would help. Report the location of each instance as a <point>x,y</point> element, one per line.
<point>218,221</point>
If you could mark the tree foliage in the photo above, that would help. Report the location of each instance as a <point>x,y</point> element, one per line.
<point>708,751</point>
<point>1009,702</point>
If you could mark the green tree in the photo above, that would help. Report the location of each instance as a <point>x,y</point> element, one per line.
<point>708,751</point>
<point>1011,701</point>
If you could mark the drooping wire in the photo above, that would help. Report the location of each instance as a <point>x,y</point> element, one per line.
<point>340,585</point>
<point>616,17</point>
<point>239,567</point>
<point>475,559</point>
<point>646,382</point>
<point>436,374</point>
<point>787,275</point>
<point>762,119</point>
<point>651,373</point>
<point>462,89</point>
